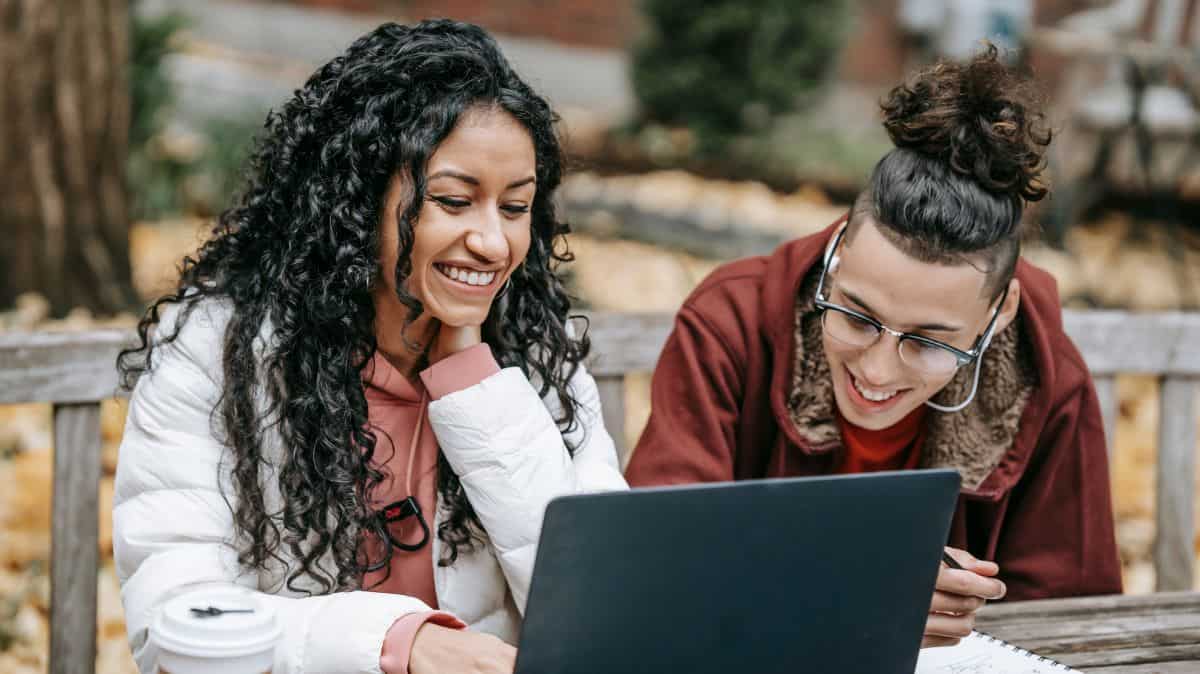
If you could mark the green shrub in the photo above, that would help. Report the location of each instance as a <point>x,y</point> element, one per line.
<point>174,169</point>
<point>723,68</point>
<point>150,92</point>
<point>150,175</point>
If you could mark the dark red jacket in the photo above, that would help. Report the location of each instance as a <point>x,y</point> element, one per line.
<point>720,400</point>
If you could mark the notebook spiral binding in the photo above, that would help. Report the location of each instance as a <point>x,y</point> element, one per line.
<point>1053,664</point>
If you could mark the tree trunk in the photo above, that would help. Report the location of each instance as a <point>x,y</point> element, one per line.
<point>64,127</point>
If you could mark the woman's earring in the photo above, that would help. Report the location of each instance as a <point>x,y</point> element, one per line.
<point>504,288</point>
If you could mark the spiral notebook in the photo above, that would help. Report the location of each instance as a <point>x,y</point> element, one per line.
<point>980,653</point>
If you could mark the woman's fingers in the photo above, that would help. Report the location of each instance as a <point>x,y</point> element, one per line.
<point>502,661</point>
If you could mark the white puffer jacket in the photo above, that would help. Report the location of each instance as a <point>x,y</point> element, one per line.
<point>171,527</point>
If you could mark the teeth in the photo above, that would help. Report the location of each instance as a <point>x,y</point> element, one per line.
<point>474,278</point>
<point>873,396</point>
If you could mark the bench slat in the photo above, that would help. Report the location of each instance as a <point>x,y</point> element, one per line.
<point>1114,342</point>
<point>65,367</point>
<point>623,343</point>
<point>1106,391</point>
<point>1111,342</point>
<point>75,538</point>
<point>612,406</point>
<point>78,366</point>
<point>1174,554</point>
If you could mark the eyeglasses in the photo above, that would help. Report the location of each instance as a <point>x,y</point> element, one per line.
<point>920,353</point>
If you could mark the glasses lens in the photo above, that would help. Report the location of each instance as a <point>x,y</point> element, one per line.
<point>848,329</point>
<point>927,357</point>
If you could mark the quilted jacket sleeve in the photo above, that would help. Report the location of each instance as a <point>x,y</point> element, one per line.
<point>502,441</point>
<point>171,526</point>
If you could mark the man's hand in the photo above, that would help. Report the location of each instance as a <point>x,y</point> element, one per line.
<point>958,595</point>
<point>442,650</point>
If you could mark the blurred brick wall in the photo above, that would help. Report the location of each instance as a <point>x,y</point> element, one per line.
<point>875,54</point>
<point>590,23</point>
<point>344,5</point>
<point>585,23</point>
<point>877,51</point>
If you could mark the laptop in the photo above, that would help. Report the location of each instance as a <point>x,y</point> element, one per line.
<point>829,574</point>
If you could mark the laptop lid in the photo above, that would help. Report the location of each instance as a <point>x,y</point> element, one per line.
<point>830,574</point>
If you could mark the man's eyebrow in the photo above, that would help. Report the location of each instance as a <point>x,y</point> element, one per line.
<point>929,327</point>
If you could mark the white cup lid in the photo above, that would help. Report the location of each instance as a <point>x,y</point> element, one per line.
<point>179,629</point>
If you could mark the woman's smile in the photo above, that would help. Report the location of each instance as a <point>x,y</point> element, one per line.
<point>462,277</point>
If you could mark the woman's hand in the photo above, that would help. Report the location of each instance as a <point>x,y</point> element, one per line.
<point>451,339</point>
<point>958,595</point>
<point>442,650</point>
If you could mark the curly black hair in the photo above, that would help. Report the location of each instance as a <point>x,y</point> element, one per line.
<point>970,149</point>
<point>300,248</point>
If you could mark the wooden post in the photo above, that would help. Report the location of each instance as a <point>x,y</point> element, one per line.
<point>1174,554</point>
<point>612,405</point>
<point>75,538</point>
<point>1106,391</point>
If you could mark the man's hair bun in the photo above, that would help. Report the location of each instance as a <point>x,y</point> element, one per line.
<point>980,117</point>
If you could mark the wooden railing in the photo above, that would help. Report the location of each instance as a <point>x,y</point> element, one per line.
<point>75,371</point>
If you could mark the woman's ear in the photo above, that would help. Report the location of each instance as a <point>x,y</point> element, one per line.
<point>1008,311</point>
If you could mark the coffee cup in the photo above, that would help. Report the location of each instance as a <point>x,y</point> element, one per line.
<point>215,629</point>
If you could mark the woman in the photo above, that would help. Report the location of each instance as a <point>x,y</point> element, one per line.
<point>910,335</point>
<point>321,413</point>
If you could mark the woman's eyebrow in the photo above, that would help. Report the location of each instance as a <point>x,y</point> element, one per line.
<point>929,327</point>
<point>472,180</point>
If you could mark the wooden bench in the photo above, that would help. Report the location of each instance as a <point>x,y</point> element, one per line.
<point>1150,634</point>
<point>74,371</point>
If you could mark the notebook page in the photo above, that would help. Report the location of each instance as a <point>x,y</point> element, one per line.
<point>982,654</point>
